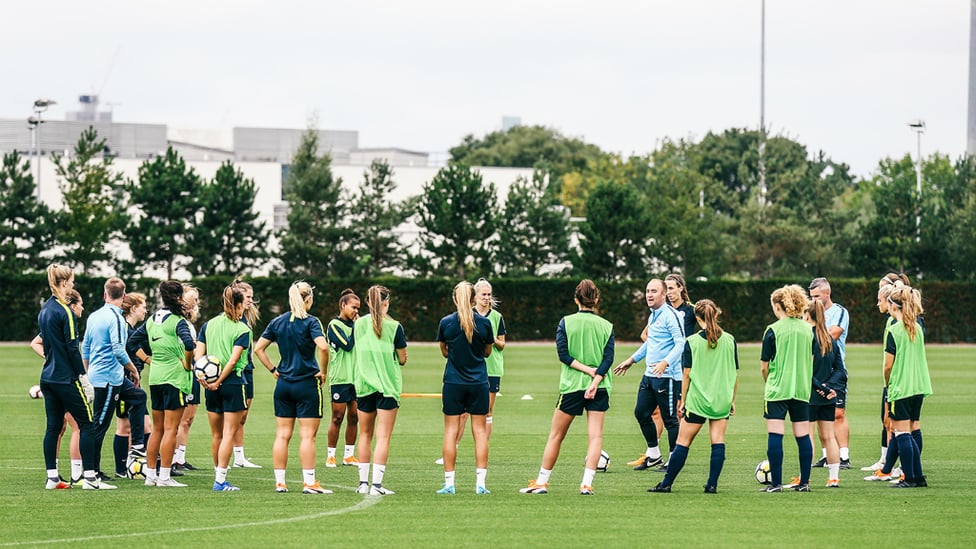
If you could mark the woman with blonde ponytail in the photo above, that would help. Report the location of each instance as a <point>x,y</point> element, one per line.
<point>707,393</point>
<point>787,369</point>
<point>466,339</point>
<point>906,374</point>
<point>298,390</point>
<point>380,352</point>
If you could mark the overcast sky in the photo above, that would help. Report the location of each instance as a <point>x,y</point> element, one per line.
<point>843,76</point>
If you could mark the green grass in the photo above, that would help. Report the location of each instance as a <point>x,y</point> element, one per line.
<point>622,514</point>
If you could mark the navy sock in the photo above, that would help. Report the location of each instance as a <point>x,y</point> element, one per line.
<point>774,453</point>
<point>715,463</point>
<point>677,461</point>
<point>917,455</point>
<point>906,451</point>
<point>917,435</point>
<point>805,447</point>
<point>120,447</point>
<point>891,456</point>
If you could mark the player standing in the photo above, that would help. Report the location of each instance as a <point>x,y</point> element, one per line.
<point>342,370</point>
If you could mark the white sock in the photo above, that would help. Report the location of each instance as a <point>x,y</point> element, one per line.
<point>76,469</point>
<point>279,476</point>
<point>884,453</point>
<point>543,477</point>
<point>238,454</point>
<point>824,453</point>
<point>845,454</point>
<point>150,473</point>
<point>179,456</point>
<point>448,478</point>
<point>481,475</point>
<point>164,473</point>
<point>654,452</point>
<point>89,475</point>
<point>332,453</point>
<point>833,471</point>
<point>363,472</point>
<point>220,474</point>
<point>588,477</point>
<point>349,451</point>
<point>53,474</point>
<point>308,476</point>
<point>378,472</point>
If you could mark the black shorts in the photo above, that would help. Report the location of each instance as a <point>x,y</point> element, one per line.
<point>457,399</point>
<point>249,383</point>
<point>376,401</point>
<point>692,417</point>
<point>166,397</point>
<point>298,399</point>
<point>574,403</point>
<point>797,409</point>
<point>227,398</point>
<point>841,401</point>
<point>909,408</point>
<point>343,393</point>
<point>67,397</point>
<point>822,412</point>
<point>494,384</point>
<point>193,399</point>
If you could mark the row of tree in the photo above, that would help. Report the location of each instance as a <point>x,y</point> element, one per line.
<point>688,206</point>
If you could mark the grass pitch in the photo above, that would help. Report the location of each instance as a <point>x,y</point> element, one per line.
<point>621,514</point>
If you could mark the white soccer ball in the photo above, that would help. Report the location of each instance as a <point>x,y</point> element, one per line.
<point>763,475</point>
<point>35,392</point>
<point>604,462</point>
<point>136,467</point>
<point>207,368</point>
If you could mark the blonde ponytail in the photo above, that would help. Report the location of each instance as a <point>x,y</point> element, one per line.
<point>464,302</point>
<point>300,298</point>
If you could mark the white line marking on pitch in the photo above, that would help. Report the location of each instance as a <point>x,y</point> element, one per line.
<point>366,503</point>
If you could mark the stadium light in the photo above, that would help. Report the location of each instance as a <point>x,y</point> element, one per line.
<point>918,126</point>
<point>34,125</point>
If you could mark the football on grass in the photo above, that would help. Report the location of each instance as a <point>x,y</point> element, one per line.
<point>763,476</point>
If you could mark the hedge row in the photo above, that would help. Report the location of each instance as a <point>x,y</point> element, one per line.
<point>531,307</point>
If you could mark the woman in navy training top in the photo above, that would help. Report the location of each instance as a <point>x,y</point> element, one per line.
<point>465,339</point>
<point>64,382</point>
<point>298,391</point>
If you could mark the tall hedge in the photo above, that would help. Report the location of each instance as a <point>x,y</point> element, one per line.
<point>532,307</point>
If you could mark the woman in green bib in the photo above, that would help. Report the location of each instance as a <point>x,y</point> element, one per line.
<point>380,352</point>
<point>707,393</point>
<point>906,373</point>
<point>584,344</point>
<point>787,369</point>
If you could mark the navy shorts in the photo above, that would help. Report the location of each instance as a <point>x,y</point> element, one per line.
<point>343,393</point>
<point>227,398</point>
<point>909,408</point>
<point>193,399</point>
<point>494,384</point>
<point>249,383</point>
<point>298,399</point>
<point>822,412</point>
<point>67,397</point>
<point>458,399</point>
<point>166,397</point>
<point>692,417</point>
<point>884,405</point>
<point>574,403</point>
<point>797,409</point>
<point>841,399</point>
<point>376,401</point>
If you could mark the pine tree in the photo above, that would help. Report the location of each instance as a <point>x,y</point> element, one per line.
<point>536,229</point>
<point>27,226</point>
<point>375,247</point>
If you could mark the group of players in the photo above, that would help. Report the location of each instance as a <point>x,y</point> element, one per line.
<point>690,376</point>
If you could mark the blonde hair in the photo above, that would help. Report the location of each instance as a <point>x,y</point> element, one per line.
<point>299,298</point>
<point>792,299</point>
<point>816,312</point>
<point>56,275</point>
<point>251,312</point>
<point>909,300</point>
<point>708,313</point>
<point>375,297</point>
<point>464,302</point>
<point>233,298</point>
<point>131,301</point>
<point>482,283</point>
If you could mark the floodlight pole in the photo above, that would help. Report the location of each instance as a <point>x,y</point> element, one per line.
<point>762,109</point>
<point>918,126</point>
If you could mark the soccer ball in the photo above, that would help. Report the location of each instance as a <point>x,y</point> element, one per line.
<point>763,475</point>
<point>603,462</point>
<point>136,467</point>
<point>207,368</point>
<point>35,392</point>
